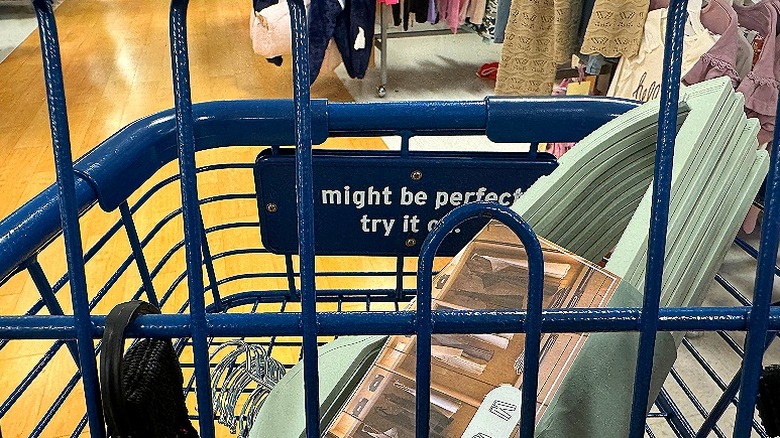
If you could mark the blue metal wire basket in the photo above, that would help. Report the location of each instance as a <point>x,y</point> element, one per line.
<point>263,305</point>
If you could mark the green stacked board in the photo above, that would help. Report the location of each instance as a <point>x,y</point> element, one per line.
<point>597,185</point>
<point>717,171</point>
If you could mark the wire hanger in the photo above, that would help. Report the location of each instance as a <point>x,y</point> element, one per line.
<point>247,365</point>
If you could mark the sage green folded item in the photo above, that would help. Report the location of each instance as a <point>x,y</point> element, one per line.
<point>594,399</point>
<point>722,186</point>
<point>605,211</point>
<point>700,142</point>
<point>632,156</point>
<point>715,175</point>
<point>342,363</point>
<point>695,151</point>
<point>697,157</point>
<point>619,153</point>
<point>697,214</point>
<point>737,210</point>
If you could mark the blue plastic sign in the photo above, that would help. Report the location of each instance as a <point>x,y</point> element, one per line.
<point>382,203</point>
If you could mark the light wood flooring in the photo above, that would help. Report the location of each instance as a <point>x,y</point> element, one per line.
<point>116,65</point>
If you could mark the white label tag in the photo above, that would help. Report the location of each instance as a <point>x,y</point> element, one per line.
<point>497,416</point>
<point>360,41</point>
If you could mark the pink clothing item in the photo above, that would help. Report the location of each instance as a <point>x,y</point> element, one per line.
<point>465,9</point>
<point>558,149</point>
<point>761,85</point>
<point>719,18</point>
<point>476,11</point>
<point>450,12</point>
<point>390,2</point>
<point>749,225</point>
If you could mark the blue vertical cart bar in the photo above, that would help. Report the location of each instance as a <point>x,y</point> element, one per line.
<point>533,320</point>
<point>304,177</point>
<point>185,139</point>
<point>659,216</point>
<point>755,343</point>
<point>66,188</point>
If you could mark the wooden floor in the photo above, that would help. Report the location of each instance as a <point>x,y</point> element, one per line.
<point>117,69</point>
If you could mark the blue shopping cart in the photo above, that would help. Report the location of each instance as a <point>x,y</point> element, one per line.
<point>263,304</point>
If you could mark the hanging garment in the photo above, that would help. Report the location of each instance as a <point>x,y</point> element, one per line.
<point>585,14</point>
<point>592,62</point>
<point>475,12</point>
<point>397,13</point>
<point>450,12</point>
<point>720,60</point>
<point>745,56</point>
<point>402,10</point>
<point>352,28</point>
<point>270,30</point>
<point>332,58</point>
<point>420,9</point>
<point>482,22</point>
<point>322,24</point>
<point>540,35</point>
<point>259,5</point>
<point>488,29</point>
<point>639,77</point>
<point>760,85</point>
<point>615,28</point>
<point>401,13</point>
<point>502,19</point>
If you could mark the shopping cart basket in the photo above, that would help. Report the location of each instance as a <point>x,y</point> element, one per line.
<point>282,301</point>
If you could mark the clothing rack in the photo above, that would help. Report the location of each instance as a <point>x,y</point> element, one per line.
<point>384,34</point>
<point>380,42</point>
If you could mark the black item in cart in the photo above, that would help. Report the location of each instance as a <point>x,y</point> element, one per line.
<point>142,395</point>
<point>768,402</point>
